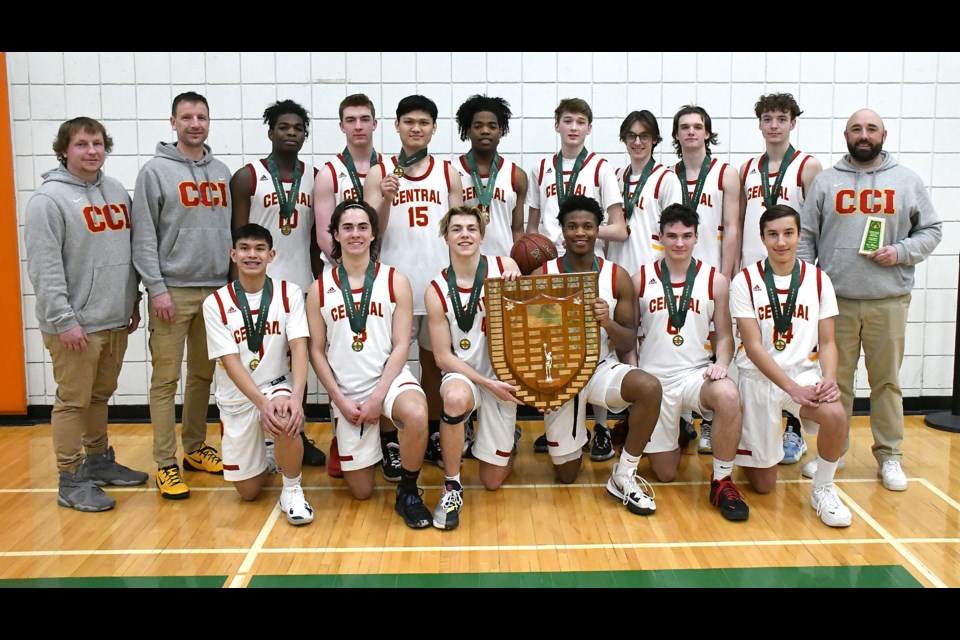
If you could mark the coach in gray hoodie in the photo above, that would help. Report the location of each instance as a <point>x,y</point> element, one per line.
<point>77,229</point>
<point>181,231</point>
<point>873,289</point>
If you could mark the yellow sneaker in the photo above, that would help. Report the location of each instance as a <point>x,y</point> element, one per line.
<point>203,459</point>
<point>170,484</point>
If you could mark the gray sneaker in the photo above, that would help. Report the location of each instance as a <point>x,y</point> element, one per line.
<point>104,469</point>
<point>79,492</point>
<point>447,513</point>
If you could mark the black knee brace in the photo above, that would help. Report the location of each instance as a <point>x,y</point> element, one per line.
<point>446,419</point>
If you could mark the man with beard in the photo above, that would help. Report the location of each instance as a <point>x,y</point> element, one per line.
<point>873,287</point>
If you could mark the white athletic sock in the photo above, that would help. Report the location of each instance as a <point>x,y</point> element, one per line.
<point>455,478</point>
<point>599,416</point>
<point>291,482</point>
<point>628,464</point>
<point>825,472</point>
<point>721,469</point>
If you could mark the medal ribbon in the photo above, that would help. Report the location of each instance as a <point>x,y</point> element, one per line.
<point>678,316</point>
<point>630,203</point>
<point>254,330</point>
<point>352,170</point>
<point>567,268</point>
<point>781,319</point>
<point>358,319</point>
<point>465,317</point>
<point>404,161</point>
<point>484,194</point>
<point>770,198</point>
<point>701,180</point>
<point>572,184</point>
<point>287,205</point>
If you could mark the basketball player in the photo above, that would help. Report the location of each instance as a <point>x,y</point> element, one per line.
<point>485,120</point>
<point>710,186</point>
<point>788,361</point>
<point>257,332</point>
<point>648,188</point>
<point>575,171</point>
<point>458,330</point>
<point>359,350</point>
<point>411,192</point>
<point>341,178</point>
<point>276,192</point>
<point>681,299</point>
<point>781,175</point>
<point>613,385</point>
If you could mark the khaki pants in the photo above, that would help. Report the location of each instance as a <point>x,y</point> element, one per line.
<point>166,348</point>
<point>85,381</point>
<point>880,326</point>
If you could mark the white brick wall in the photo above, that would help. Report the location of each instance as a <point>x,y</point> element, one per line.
<point>917,93</point>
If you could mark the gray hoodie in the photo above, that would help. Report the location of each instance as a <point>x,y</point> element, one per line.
<point>79,253</point>
<point>181,221</point>
<point>888,190</point>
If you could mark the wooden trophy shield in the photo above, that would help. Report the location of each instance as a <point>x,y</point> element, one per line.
<point>542,334</point>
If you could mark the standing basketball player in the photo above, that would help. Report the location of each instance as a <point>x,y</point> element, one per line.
<point>781,175</point>
<point>276,192</point>
<point>257,332</point>
<point>458,330</point>
<point>676,330</point>
<point>785,309</point>
<point>342,179</point>
<point>360,313</point>
<point>613,385</point>
<point>575,171</point>
<point>411,192</point>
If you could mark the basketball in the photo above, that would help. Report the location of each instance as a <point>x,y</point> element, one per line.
<point>531,251</point>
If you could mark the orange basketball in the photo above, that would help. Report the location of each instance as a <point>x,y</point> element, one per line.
<point>531,251</point>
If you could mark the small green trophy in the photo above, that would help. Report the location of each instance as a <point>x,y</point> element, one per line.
<point>872,235</point>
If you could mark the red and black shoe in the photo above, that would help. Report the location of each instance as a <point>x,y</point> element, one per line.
<point>725,495</point>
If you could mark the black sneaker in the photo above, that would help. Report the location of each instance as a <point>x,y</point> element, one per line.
<point>540,444</point>
<point>687,433</point>
<point>469,436</point>
<point>391,462</point>
<point>602,448</point>
<point>410,506</point>
<point>727,497</point>
<point>433,453</point>
<point>312,456</point>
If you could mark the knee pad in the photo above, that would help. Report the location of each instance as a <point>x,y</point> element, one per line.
<point>448,419</point>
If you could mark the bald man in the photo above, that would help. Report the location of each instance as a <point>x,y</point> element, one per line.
<point>873,287</point>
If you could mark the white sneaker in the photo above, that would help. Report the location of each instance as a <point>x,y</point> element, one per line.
<point>272,465</point>
<point>635,492</point>
<point>828,506</point>
<point>810,468</point>
<point>295,506</point>
<point>706,444</point>
<point>894,479</point>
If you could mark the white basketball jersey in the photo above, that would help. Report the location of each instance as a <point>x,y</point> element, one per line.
<point>596,180</point>
<point>293,249</point>
<point>643,245</point>
<point>358,371</point>
<point>816,300</point>
<point>498,237</point>
<point>790,193</point>
<point>666,351</point>
<point>710,210</point>
<point>469,346</point>
<point>607,290</point>
<point>226,334</point>
<point>342,185</point>
<point>412,239</point>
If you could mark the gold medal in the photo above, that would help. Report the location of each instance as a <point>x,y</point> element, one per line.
<point>464,344</point>
<point>677,340</point>
<point>357,345</point>
<point>780,345</point>
<point>398,171</point>
<point>485,212</point>
<point>286,229</point>
<point>254,363</point>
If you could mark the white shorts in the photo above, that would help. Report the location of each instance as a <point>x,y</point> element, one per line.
<point>241,437</point>
<point>680,393</point>
<point>359,447</point>
<point>495,423</point>
<point>420,332</point>
<point>566,427</point>
<point>761,442</point>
